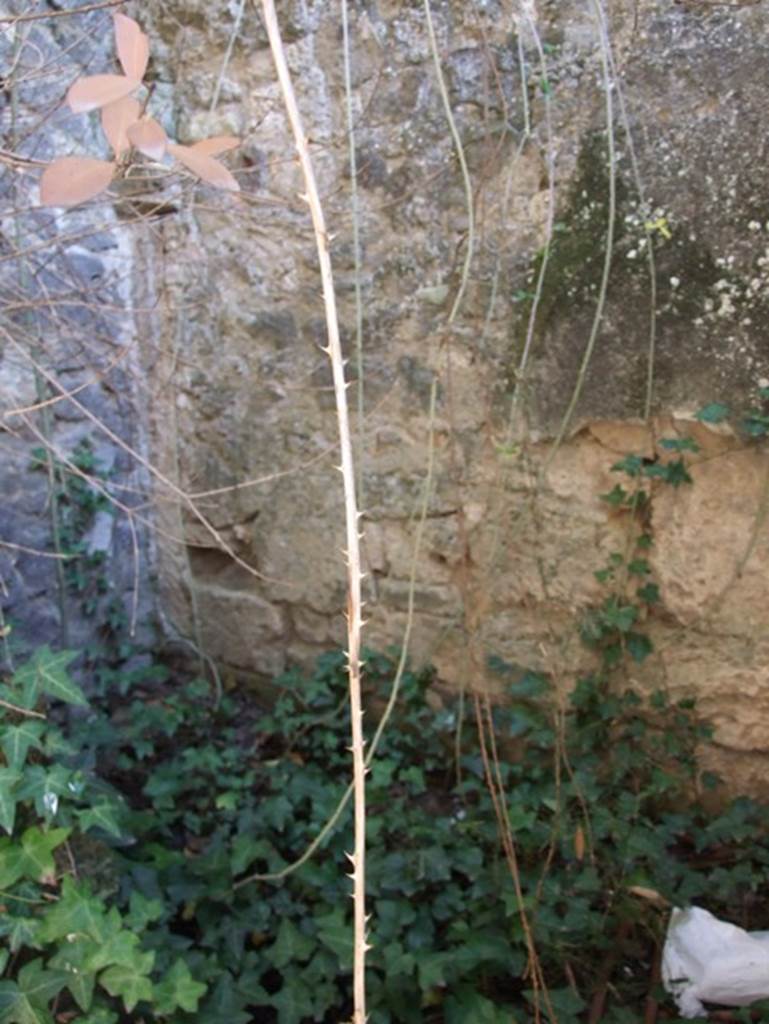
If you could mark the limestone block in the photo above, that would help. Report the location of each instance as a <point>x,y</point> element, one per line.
<point>241,629</point>
<point>711,550</point>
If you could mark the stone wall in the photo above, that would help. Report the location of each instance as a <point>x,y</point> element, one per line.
<point>73,539</point>
<point>241,424</point>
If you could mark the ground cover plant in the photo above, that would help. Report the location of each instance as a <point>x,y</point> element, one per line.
<point>128,826</point>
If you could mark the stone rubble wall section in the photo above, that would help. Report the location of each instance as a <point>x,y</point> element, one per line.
<point>65,282</point>
<point>236,393</point>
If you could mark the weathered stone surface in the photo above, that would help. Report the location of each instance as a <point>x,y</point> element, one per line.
<point>67,328</point>
<point>241,629</point>
<point>226,392</point>
<point>515,529</point>
<point>716,572</point>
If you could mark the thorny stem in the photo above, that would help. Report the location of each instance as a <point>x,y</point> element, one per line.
<point>354,618</point>
<point>330,825</point>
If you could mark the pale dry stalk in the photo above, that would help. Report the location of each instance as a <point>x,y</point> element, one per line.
<point>354,619</point>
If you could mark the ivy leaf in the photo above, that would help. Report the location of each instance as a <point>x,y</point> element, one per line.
<point>178,990</point>
<point>17,739</point>
<point>32,858</point>
<point>615,497</point>
<point>38,847</point>
<point>618,616</point>
<point>294,1002</point>
<point>398,960</point>
<point>432,969</point>
<point>467,1004</point>
<point>674,473</point>
<point>224,1005</point>
<point>649,592</point>
<point>291,946</point>
<point>142,911</point>
<point>46,673</point>
<point>639,646</point>
<point>679,444</point>
<point>335,934</point>
<point>120,950</point>
<point>631,464</point>
<point>638,567</point>
<point>530,686</point>
<point>101,816</point>
<point>131,984</point>
<point>19,931</point>
<point>25,1001</point>
<point>81,985</point>
<point>72,958</point>
<point>101,1015</point>
<point>714,412</point>
<point>755,424</point>
<point>77,912</point>
<point>8,780</point>
<point>44,786</point>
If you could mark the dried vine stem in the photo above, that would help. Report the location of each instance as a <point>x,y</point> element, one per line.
<point>354,618</point>
<point>598,14</point>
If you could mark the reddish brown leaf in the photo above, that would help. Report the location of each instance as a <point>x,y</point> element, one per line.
<point>217,144</point>
<point>206,168</point>
<point>73,179</point>
<point>133,46</point>
<point>116,119</point>
<point>97,91</point>
<point>148,137</point>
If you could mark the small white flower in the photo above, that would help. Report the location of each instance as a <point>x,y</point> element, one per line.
<point>674,282</point>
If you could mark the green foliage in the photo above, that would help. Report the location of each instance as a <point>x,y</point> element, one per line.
<point>215,792</point>
<point>64,939</point>
<point>752,423</point>
<point>78,502</point>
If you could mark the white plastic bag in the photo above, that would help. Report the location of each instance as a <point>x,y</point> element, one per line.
<point>707,960</point>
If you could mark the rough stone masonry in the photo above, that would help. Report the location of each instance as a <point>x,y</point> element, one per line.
<point>234,407</point>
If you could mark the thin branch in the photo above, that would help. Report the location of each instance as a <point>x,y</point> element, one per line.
<point>34,551</point>
<point>227,55</point>
<point>45,15</point>
<point>20,711</point>
<point>608,253</point>
<point>462,164</point>
<point>160,477</point>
